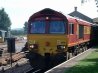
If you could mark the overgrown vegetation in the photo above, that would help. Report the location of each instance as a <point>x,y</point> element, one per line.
<point>5,22</point>
<point>88,65</point>
<point>17,32</point>
<point>25,27</point>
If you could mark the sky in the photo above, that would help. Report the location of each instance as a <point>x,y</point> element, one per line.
<point>19,11</point>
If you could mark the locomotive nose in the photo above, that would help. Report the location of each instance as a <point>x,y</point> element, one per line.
<point>47,43</point>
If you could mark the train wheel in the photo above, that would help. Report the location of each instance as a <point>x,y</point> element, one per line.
<point>75,52</point>
<point>67,55</point>
<point>86,48</point>
<point>81,49</point>
<point>70,55</point>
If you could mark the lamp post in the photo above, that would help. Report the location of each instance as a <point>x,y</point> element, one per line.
<point>9,44</point>
<point>2,34</point>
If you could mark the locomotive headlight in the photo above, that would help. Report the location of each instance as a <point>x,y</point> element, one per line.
<point>35,46</point>
<point>47,18</point>
<point>61,47</point>
<point>31,46</point>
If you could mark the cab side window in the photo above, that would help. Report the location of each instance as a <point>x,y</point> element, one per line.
<point>81,31</point>
<point>71,28</point>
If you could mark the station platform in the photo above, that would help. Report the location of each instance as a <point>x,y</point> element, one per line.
<point>63,67</point>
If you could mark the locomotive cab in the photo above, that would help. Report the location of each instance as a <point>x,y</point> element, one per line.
<point>47,34</point>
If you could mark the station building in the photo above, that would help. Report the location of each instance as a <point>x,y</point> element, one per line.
<point>79,15</point>
<point>2,35</point>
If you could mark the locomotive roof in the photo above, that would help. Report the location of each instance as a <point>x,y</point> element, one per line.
<point>51,12</point>
<point>81,21</point>
<point>47,12</point>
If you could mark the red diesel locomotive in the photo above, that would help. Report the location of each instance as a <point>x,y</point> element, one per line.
<point>53,36</point>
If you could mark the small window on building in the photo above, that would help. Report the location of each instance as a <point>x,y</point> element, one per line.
<point>71,28</point>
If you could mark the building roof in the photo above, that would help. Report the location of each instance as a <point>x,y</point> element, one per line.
<point>80,15</point>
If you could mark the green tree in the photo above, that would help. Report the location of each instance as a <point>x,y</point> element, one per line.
<point>96,3</point>
<point>17,32</point>
<point>5,22</point>
<point>25,27</point>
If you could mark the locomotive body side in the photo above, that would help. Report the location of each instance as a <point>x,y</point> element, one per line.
<point>79,32</point>
<point>84,32</point>
<point>72,32</point>
<point>87,33</point>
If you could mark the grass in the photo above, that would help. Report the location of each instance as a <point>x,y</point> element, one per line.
<point>88,65</point>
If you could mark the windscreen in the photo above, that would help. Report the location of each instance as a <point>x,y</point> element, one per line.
<point>81,31</point>
<point>38,27</point>
<point>57,27</point>
<point>54,27</point>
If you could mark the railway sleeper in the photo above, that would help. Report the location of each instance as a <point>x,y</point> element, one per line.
<point>32,70</point>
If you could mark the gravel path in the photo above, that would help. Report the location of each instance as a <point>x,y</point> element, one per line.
<point>71,62</point>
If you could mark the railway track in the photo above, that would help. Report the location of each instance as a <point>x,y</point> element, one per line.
<point>32,70</point>
<point>25,69</point>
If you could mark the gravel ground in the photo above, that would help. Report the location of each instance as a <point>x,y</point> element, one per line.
<point>22,67</point>
<point>71,62</point>
<point>18,45</point>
